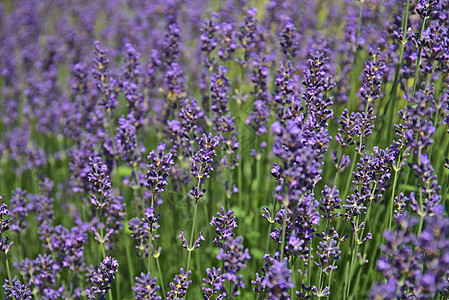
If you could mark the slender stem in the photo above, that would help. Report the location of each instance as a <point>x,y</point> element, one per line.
<point>349,180</point>
<point>393,90</point>
<point>103,251</point>
<point>192,233</point>
<point>160,276</point>
<point>8,271</point>
<point>151,236</point>
<point>390,210</point>
<point>269,229</point>
<point>418,62</point>
<point>129,261</point>
<point>284,228</point>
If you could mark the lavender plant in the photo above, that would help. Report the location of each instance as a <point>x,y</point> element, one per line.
<point>319,127</point>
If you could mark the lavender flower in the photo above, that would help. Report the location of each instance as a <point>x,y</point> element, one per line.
<point>318,83</point>
<point>286,96</point>
<point>330,203</point>
<point>328,250</point>
<point>130,67</point>
<point>179,285</point>
<point>427,9</point>
<point>125,139</point>
<point>294,145</point>
<point>174,83</point>
<point>224,223</point>
<point>171,44</point>
<point>19,210</point>
<point>247,34</point>
<point>227,41</point>
<point>140,233</point>
<point>208,40</point>
<point>278,281</point>
<point>219,89</point>
<point>417,129</point>
<point>105,83</point>
<point>227,133</point>
<point>195,245</point>
<point>102,278</point>
<point>68,246</point>
<point>356,127</point>
<point>214,283</point>
<point>345,161</point>
<point>234,258</point>
<point>99,176</point>
<point>202,163</point>
<point>373,73</point>
<point>419,262</point>
<point>146,288</point>
<point>429,189</point>
<point>17,290</point>
<point>184,135</point>
<point>231,251</point>
<point>288,39</point>
<point>5,244</point>
<point>41,272</point>
<point>158,170</point>
<point>259,116</point>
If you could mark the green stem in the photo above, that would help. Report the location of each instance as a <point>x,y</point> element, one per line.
<point>349,180</point>
<point>421,205</point>
<point>393,90</point>
<point>418,62</point>
<point>390,210</point>
<point>284,228</point>
<point>160,276</point>
<point>129,261</point>
<point>8,271</point>
<point>103,251</point>
<point>267,247</point>
<point>192,233</point>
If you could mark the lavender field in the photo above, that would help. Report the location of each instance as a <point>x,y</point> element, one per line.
<point>235,149</point>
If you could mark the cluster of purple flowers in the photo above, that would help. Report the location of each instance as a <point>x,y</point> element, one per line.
<point>86,93</point>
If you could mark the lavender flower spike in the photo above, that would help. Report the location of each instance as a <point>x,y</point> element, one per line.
<point>179,285</point>
<point>102,278</point>
<point>17,290</point>
<point>146,288</point>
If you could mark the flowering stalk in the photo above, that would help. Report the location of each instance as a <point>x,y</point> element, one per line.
<point>418,62</point>
<point>201,169</point>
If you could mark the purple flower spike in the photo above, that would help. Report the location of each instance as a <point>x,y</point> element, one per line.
<point>258,118</point>
<point>146,288</point>
<point>158,170</point>
<point>99,176</point>
<point>179,285</point>
<point>107,85</point>
<point>288,39</point>
<point>219,91</point>
<point>278,280</point>
<point>224,223</point>
<point>201,165</point>
<point>234,258</point>
<point>208,40</point>
<point>17,290</point>
<point>214,283</point>
<point>102,278</point>
<point>5,244</point>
